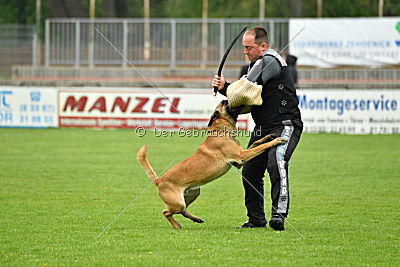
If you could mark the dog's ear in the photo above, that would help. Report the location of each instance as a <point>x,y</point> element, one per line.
<point>215,115</point>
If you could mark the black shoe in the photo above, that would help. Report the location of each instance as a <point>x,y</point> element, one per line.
<point>251,225</point>
<point>277,223</point>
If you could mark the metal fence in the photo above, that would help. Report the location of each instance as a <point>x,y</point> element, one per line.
<point>17,45</point>
<point>171,42</point>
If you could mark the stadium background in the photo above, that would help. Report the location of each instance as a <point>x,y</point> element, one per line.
<point>104,52</point>
<point>60,187</point>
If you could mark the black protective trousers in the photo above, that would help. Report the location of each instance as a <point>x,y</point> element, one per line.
<point>276,161</point>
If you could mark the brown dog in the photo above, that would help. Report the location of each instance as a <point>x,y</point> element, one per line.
<point>180,185</point>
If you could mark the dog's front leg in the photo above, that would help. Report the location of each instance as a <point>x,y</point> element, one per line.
<point>263,140</point>
<point>190,195</point>
<point>250,153</point>
<point>254,150</point>
<point>236,163</point>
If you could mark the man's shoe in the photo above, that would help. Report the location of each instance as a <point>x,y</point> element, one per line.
<point>277,223</point>
<point>251,225</point>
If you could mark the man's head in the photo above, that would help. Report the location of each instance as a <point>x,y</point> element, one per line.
<point>255,42</point>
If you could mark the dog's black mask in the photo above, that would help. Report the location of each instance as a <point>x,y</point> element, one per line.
<point>214,117</point>
<point>232,112</point>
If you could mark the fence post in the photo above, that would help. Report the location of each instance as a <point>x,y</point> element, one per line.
<point>221,38</point>
<point>173,44</point>
<point>34,49</point>
<point>91,44</point>
<point>271,33</point>
<point>124,63</point>
<point>77,43</point>
<point>47,41</point>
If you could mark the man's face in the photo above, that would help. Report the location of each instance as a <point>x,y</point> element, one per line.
<point>251,49</point>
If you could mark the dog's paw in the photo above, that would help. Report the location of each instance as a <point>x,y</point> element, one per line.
<point>197,220</point>
<point>269,138</point>
<point>279,141</point>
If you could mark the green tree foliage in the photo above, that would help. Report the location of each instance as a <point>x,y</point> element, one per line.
<point>17,11</point>
<point>392,8</point>
<point>350,8</point>
<point>23,11</point>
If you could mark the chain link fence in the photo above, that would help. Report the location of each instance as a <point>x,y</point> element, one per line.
<point>17,46</point>
<point>151,42</point>
<point>158,44</point>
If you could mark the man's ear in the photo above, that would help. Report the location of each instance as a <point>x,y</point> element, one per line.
<point>216,115</point>
<point>264,46</point>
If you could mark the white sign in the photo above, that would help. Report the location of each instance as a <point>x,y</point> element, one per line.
<point>28,107</point>
<point>332,42</point>
<point>350,111</point>
<point>131,108</point>
<point>333,111</point>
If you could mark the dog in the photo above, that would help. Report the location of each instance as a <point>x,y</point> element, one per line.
<point>180,185</point>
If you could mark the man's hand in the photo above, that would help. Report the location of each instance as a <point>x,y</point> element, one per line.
<point>218,82</point>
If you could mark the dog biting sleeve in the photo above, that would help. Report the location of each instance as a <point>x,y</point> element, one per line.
<point>244,92</point>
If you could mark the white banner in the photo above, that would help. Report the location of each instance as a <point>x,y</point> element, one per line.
<point>131,108</point>
<point>333,42</point>
<point>28,107</point>
<point>332,111</point>
<point>350,111</point>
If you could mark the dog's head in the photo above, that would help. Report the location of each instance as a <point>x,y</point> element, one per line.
<point>224,111</point>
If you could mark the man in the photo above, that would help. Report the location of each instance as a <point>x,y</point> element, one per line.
<point>278,114</point>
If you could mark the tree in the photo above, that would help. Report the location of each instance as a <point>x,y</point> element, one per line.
<point>23,11</point>
<point>67,8</point>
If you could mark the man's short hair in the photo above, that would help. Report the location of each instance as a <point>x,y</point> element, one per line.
<point>260,34</point>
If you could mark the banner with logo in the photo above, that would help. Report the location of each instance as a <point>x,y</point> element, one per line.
<point>350,111</point>
<point>331,111</point>
<point>331,42</point>
<point>28,107</point>
<point>132,108</point>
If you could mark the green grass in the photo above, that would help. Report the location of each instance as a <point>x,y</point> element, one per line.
<point>61,187</point>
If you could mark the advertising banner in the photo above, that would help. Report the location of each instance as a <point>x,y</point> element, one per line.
<point>350,111</point>
<point>331,111</point>
<point>331,42</point>
<point>28,107</point>
<point>132,108</point>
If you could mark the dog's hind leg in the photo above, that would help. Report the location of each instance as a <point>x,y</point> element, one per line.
<point>169,217</point>
<point>190,195</point>
<point>174,202</point>
<point>192,217</point>
<point>174,208</point>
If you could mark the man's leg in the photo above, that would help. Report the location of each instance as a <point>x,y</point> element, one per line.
<point>278,162</point>
<point>253,173</point>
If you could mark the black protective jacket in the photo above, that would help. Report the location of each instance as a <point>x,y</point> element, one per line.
<point>280,102</point>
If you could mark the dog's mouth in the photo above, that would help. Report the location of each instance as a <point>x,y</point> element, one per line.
<point>232,112</point>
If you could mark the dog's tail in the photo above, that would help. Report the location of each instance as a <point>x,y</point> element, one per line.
<point>141,158</point>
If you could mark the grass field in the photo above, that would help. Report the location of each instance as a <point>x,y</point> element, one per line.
<point>61,187</point>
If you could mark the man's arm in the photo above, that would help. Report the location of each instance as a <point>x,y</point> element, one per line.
<point>223,90</point>
<point>267,67</point>
<point>221,84</point>
<point>271,69</point>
